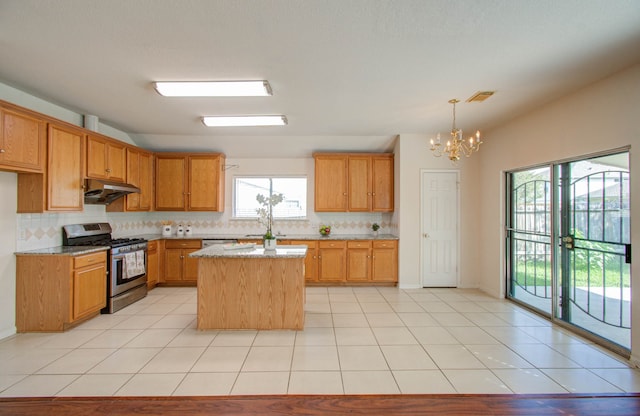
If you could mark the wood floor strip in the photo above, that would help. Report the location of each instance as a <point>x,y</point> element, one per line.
<point>441,405</point>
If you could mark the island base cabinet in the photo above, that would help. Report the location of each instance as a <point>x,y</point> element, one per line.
<point>236,293</point>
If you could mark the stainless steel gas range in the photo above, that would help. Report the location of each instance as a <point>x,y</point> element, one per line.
<point>126,262</point>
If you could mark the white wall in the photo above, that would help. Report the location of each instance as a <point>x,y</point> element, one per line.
<point>414,156</point>
<point>8,202</point>
<point>600,117</point>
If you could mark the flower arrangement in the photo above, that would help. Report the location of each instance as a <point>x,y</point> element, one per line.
<point>375,226</point>
<point>325,230</point>
<point>266,212</point>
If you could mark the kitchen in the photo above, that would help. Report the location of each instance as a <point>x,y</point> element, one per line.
<point>200,224</point>
<point>540,130</point>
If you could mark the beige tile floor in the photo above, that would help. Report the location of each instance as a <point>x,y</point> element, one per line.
<point>356,341</point>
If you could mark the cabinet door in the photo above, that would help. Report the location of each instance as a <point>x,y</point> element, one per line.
<point>170,183</point>
<point>152,264</point>
<point>172,265</point>
<point>96,157</point>
<point>204,177</point>
<point>117,161</point>
<point>139,173</point>
<point>331,261</point>
<point>133,177</point>
<point>384,263</point>
<point>22,141</point>
<point>89,290</point>
<point>310,261</point>
<point>65,166</point>
<point>359,183</point>
<point>382,183</point>
<point>358,261</point>
<point>330,183</point>
<point>190,270</point>
<point>145,182</point>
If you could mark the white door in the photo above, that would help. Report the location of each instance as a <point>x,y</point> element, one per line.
<point>439,229</point>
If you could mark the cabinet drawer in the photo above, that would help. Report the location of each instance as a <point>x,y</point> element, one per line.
<point>152,245</point>
<point>332,244</point>
<point>183,244</point>
<point>359,244</point>
<point>308,243</point>
<point>385,244</point>
<point>89,259</point>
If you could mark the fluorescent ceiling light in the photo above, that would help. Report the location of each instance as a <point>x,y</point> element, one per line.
<point>243,121</point>
<point>214,89</point>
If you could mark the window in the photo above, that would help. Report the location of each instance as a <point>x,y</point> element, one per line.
<point>294,189</point>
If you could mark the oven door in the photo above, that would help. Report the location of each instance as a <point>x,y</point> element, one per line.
<point>128,270</point>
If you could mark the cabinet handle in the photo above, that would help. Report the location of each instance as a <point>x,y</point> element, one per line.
<point>373,193</point>
<point>1,150</point>
<point>108,170</point>
<point>368,193</point>
<point>344,193</point>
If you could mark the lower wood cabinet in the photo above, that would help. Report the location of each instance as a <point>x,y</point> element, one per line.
<point>178,267</point>
<point>153,263</point>
<point>311,261</point>
<point>54,292</point>
<point>331,261</point>
<point>328,262</point>
<point>384,261</point>
<point>358,261</point>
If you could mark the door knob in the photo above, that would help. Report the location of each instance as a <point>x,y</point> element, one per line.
<point>425,235</point>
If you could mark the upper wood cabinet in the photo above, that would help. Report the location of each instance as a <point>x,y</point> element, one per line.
<point>61,188</point>
<point>331,182</point>
<point>354,182</point>
<point>140,174</point>
<point>382,183</point>
<point>22,141</point>
<point>189,182</point>
<point>106,158</point>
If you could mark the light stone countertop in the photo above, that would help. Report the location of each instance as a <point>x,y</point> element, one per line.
<point>63,251</point>
<point>251,251</point>
<point>317,236</point>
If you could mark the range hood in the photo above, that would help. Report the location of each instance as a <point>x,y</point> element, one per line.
<point>104,192</point>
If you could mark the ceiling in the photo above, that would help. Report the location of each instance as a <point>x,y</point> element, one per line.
<point>349,75</point>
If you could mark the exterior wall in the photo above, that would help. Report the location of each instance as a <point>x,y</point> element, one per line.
<point>601,117</point>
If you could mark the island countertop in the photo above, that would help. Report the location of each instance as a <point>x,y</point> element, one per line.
<point>250,251</point>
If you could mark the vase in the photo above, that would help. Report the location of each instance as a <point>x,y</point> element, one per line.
<point>375,234</point>
<point>270,244</point>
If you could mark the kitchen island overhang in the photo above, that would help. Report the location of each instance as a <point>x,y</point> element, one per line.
<point>251,288</point>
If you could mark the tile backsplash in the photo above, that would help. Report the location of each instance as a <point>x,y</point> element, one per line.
<point>37,231</point>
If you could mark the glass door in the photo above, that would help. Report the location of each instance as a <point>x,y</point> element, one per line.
<point>568,245</point>
<point>529,230</point>
<point>594,273</point>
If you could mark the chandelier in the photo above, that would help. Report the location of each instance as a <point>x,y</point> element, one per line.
<point>456,147</point>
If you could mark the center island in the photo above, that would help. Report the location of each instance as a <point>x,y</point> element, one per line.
<point>248,287</point>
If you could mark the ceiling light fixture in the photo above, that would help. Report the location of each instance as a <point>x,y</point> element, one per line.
<point>456,146</point>
<point>244,121</point>
<point>214,88</point>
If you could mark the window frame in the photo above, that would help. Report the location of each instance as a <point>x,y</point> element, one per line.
<point>272,177</point>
